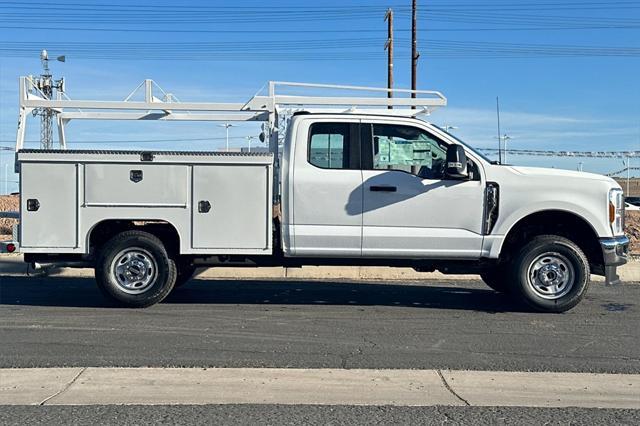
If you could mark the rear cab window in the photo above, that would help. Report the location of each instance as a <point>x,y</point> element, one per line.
<point>334,146</point>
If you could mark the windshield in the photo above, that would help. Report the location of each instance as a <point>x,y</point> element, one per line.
<point>479,154</point>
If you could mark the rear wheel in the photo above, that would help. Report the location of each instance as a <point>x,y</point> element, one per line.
<point>551,274</point>
<point>134,270</point>
<point>185,271</point>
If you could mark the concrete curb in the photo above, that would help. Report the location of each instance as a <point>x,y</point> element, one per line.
<point>12,265</point>
<point>151,386</point>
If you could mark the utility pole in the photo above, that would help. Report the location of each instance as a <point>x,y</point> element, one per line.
<point>414,48</point>
<point>389,47</point>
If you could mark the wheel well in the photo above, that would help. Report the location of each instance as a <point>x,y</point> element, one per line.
<point>105,230</point>
<point>555,222</point>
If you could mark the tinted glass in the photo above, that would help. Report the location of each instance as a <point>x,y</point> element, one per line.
<point>329,145</point>
<point>408,149</point>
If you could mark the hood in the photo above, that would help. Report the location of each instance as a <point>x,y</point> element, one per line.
<point>558,173</point>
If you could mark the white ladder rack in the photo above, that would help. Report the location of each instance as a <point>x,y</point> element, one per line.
<point>263,108</point>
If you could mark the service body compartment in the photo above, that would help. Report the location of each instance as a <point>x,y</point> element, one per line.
<point>48,205</point>
<point>77,190</point>
<point>229,206</point>
<point>136,185</point>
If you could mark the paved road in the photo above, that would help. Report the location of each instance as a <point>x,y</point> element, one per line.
<point>454,325</point>
<point>311,415</point>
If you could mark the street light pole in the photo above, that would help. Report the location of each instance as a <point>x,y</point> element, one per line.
<point>226,126</point>
<point>628,175</point>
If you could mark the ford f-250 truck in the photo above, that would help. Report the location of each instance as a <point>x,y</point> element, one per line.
<point>357,187</point>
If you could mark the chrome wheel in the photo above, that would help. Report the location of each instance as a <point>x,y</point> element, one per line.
<point>551,276</point>
<point>135,270</point>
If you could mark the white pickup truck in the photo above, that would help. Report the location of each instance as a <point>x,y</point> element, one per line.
<point>356,187</point>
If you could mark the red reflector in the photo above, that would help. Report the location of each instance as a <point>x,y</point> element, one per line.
<point>11,247</point>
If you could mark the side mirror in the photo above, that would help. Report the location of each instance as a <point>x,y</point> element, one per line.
<point>456,167</point>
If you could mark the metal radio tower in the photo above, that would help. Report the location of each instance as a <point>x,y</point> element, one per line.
<point>46,85</point>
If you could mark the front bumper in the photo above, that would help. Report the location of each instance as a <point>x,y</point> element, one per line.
<point>615,252</point>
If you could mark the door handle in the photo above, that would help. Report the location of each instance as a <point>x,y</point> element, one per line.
<point>383,188</point>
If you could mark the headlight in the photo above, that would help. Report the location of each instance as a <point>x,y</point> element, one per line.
<point>616,211</point>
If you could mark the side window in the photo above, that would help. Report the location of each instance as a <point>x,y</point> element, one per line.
<point>334,146</point>
<point>408,149</point>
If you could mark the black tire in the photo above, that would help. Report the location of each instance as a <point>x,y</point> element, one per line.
<point>567,265</point>
<point>137,259</point>
<point>497,278</point>
<point>185,272</point>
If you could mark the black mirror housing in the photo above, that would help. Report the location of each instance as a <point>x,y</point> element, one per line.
<point>456,167</point>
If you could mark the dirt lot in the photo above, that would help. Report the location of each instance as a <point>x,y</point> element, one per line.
<point>7,203</point>
<point>10,203</point>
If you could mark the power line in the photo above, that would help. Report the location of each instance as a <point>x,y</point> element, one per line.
<point>576,154</point>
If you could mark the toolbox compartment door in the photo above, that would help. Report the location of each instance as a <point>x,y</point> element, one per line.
<point>231,207</point>
<point>51,192</point>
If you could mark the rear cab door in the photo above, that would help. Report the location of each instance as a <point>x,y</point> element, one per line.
<point>325,193</point>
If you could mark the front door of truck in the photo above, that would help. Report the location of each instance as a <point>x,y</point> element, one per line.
<point>409,208</point>
<point>327,190</point>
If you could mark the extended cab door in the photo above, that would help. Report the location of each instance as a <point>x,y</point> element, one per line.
<point>326,194</point>
<point>410,209</point>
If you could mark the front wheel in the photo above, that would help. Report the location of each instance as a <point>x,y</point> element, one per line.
<point>134,270</point>
<point>497,278</point>
<point>550,274</point>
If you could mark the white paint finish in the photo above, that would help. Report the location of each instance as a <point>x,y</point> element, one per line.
<point>324,202</point>
<point>31,386</point>
<point>240,207</point>
<point>543,189</point>
<point>161,185</point>
<point>322,240</point>
<point>419,242</point>
<point>491,388</point>
<point>233,191</point>
<point>53,225</point>
<point>422,218</point>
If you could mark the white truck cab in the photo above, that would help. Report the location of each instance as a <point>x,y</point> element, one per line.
<point>351,188</point>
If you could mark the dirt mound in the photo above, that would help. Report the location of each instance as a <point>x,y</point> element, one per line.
<point>8,203</point>
<point>632,229</point>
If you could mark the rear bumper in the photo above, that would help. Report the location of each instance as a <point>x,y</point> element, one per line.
<point>615,252</point>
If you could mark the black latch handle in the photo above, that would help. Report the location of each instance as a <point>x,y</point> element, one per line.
<point>204,206</point>
<point>33,205</point>
<point>135,176</point>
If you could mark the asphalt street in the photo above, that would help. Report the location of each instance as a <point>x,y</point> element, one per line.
<point>59,322</point>
<point>65,322</point>
<point>312,415</point>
